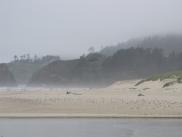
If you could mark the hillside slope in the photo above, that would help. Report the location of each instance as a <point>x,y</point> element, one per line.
<point>168,43</point>
<point>95,69</point>
<point>79,72</point>
<point>6,77</point>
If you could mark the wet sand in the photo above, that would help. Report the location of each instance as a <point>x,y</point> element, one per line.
<point>91,127</point>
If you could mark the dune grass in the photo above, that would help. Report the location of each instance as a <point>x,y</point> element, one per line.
<point>176,76</point>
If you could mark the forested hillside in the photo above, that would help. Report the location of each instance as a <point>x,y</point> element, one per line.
<point>168,43</point>
<point>24,66</point>
<point>6,77</point>
<point>96,69</point>
<point>137,58</point>
<point>84,71</point>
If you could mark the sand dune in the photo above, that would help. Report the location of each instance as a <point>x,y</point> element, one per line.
<point>120,99</point>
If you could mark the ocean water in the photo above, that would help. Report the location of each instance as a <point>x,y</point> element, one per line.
<point>90,127</point>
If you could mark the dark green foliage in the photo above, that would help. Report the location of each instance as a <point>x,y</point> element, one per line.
<point>24,66</point>
<point>134,63</point>
<point>6,77</point>
<point>139,61</point>
<point>175,76</point>
<point>94,68</point>
<point>84,71</point>
<point>168,43</point>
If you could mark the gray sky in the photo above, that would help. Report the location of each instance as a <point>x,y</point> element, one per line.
<point>69,27</point>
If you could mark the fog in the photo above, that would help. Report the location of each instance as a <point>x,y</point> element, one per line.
<point>68,27</point>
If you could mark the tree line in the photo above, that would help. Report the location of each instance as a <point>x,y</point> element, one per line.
<point>140,62</point>
<point>27,58</point>
<point>95,68</point>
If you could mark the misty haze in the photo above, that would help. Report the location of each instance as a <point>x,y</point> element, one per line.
<point>91,59</point>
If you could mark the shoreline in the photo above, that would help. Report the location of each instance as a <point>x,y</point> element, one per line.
<point>84,116</point>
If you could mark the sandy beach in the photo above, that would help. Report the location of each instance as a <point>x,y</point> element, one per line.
<point>122,99</point>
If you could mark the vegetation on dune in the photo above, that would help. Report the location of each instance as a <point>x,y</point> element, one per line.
<point>175,76</point>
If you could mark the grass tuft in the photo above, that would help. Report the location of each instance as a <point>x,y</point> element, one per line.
<point>175,75</point>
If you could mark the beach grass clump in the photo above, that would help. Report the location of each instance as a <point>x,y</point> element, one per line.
<point>176,76</point>
<point>169,84</point>
<point>140,95</point>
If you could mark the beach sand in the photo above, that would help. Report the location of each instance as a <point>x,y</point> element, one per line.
<point>122,99</point>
